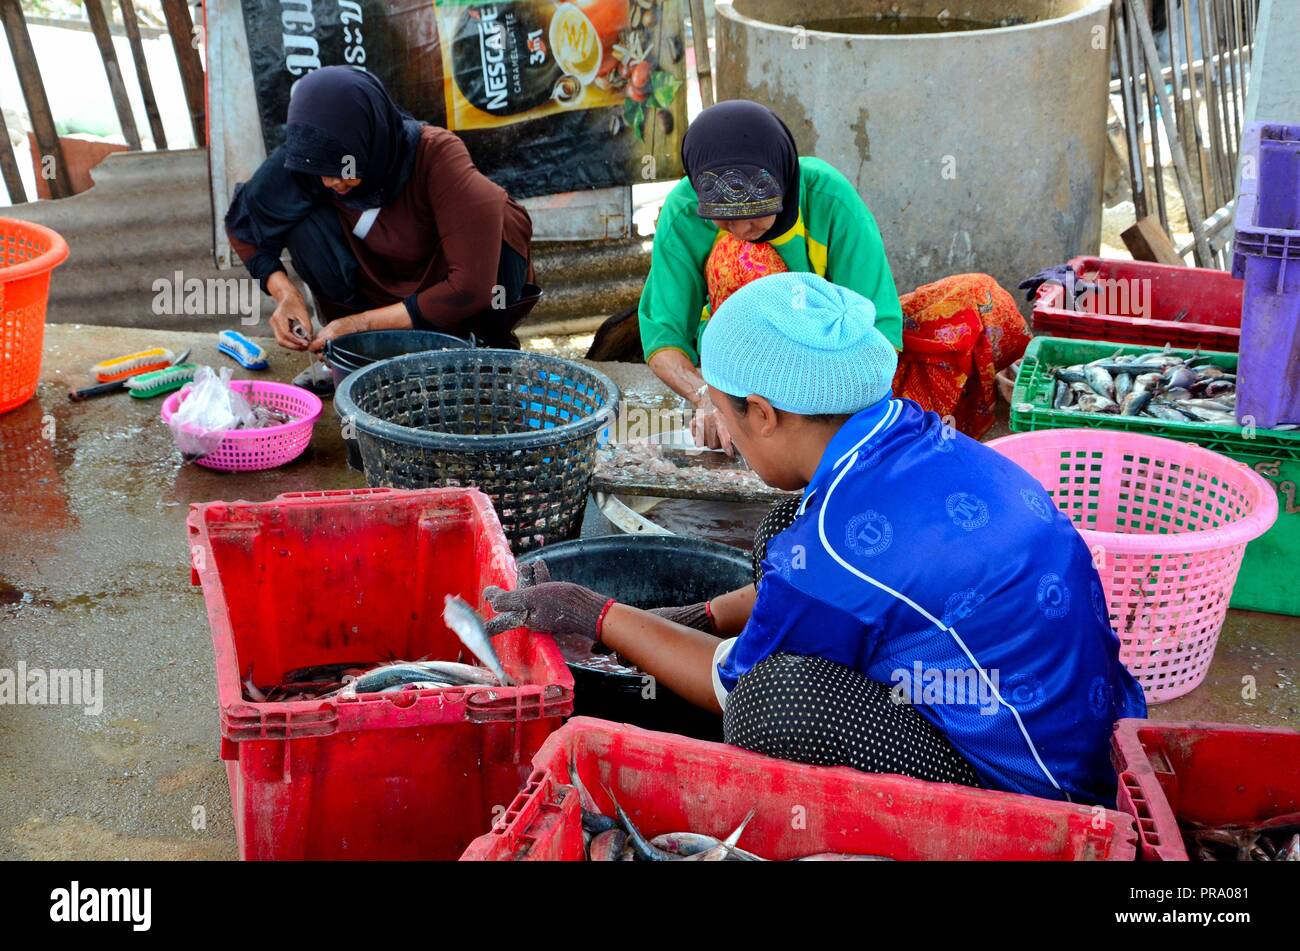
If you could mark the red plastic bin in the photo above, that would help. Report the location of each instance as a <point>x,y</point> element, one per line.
<point>672,783</point>
<point>1137,302</point>
<point>320,577</point>
<point>1213,773</point>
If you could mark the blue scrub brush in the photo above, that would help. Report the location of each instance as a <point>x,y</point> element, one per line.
<point>249,355</point>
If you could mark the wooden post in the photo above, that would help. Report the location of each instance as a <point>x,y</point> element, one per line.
<point>38,104</point>
<point>142,73</point>
<point>113,71</point>
<point>9,166</point>
<point>181,28</point>
<point>703,68</point>
<point>1167,117</point>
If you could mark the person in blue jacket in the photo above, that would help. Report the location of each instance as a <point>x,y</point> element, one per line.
<point>927,610</point>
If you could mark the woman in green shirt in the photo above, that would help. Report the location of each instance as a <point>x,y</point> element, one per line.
<point>748,206</point>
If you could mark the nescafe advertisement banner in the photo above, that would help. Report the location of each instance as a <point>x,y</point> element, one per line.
<point>548,96</point>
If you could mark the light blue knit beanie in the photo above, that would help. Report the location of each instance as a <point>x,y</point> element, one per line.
<point>807,345</point>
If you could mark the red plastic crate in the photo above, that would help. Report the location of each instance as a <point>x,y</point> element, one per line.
<point>1213,773</point>
<point>672,783</point>
<point>322,577</point>
<point>1137,304</point>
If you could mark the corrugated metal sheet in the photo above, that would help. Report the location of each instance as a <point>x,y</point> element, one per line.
<point>149,216</point>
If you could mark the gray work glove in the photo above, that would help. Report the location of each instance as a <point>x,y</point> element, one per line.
<point>696,616</point>
<point>552,607</point>
<point>1063,274</point>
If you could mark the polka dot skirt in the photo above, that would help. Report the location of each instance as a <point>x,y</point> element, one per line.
<point>812,710</point>
<point>777,520</point>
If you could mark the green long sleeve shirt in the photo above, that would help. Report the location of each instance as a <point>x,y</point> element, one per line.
<point>835,236</point>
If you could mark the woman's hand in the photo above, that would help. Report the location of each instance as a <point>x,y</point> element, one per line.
<point>340,327</point>
<point>290,312</point>
<point>552,607</point>
<point>392,317</point>
<point>707,428</point>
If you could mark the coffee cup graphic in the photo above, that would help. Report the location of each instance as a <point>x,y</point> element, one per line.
<point>583,32</point>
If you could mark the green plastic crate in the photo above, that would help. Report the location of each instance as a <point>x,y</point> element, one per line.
<point>1266,581</point>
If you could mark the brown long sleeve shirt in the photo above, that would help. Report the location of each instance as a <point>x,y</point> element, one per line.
<point>438,244</point>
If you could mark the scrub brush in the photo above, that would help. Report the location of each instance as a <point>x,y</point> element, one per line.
<point>119,368</point>
<point>148,385</point>
<point>249,355</point>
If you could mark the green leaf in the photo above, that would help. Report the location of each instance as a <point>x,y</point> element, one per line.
<point>664,87</point>
<point>634,115</point>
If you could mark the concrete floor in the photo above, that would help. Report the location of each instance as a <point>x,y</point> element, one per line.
<point>93,573</point>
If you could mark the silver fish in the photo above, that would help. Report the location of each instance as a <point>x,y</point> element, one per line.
<point>1208,404</point>
<point>390,676</point>
<point>1088,401</point>
<point>1218,373</point>
<point>723,849</point>
<point>1101,382</point>
<point>1291,852</point>
<point>607,846</point>
<point>1123,386</point>
<point>250,689</point>
<point>1179,377</point>
<point>469,627</point>
<point>635,840</point>
<point>459,674</point>
<point>843,857</point>
<point>415,685</point>
<point>1164,411</point>
<point>687,844</point>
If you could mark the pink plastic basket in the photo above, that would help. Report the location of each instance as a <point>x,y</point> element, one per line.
<point>1167,523</point>
<point>243,450</point>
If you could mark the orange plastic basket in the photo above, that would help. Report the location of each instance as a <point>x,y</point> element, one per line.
<point>28,253</point>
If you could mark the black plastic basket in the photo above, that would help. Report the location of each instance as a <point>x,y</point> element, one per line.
<point>645,571</point>
<point>351,352</point>
<point>520,426</point>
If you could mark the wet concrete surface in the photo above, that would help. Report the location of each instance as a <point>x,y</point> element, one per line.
<point>94,574</point>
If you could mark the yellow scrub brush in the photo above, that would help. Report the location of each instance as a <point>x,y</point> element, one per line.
<point>119,368</point>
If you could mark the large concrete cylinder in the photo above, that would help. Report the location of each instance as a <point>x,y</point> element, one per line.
<point>976,150</point>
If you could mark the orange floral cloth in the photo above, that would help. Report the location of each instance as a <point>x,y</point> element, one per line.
<point>734,263</point>
<point>957,334</point>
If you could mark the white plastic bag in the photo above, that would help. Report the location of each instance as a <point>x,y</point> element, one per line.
<point>210,408</point>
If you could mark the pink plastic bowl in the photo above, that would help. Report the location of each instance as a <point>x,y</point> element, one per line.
<point>243,450</point>
<point>1167,523</point>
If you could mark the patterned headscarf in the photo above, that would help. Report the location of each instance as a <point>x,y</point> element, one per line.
<point>743,163</point>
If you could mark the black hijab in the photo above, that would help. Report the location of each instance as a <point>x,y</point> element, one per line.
<point>743,163</point>
<point>338,113</point>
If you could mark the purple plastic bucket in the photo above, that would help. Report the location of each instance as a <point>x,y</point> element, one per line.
<point>1267,256</point>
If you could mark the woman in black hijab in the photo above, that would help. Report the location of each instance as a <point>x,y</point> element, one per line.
<point>386,218</point>
<point>750,206</point>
